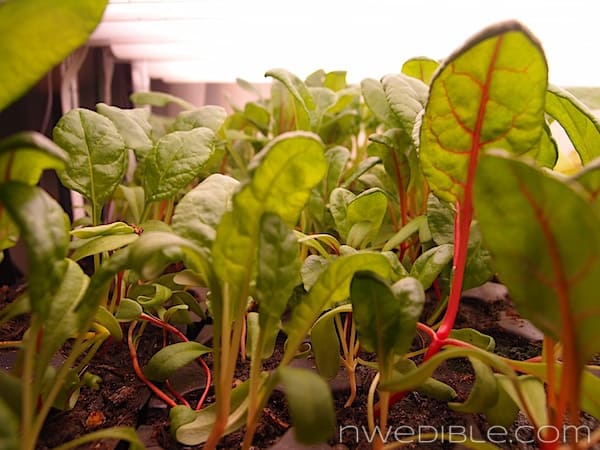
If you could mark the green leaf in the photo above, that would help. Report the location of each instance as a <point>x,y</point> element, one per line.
<point>25,155</point>
<point>333,286</point>
<point>105,318</point>
<point>337,158</point>
<point>367,210</point>
<point>386,316</point>
<point>51,31</point>
<point>545,254</point>
<point>312,415</point>
<point>430,387</point>
<point>474,337</point>
<point>420,68</point>
<point>258,115</point>
<point>375,98</point>
<point>9,430</point>
<point>97,156</point>
<point>305,104</point>
<point>283,175</point>
<point>159,99</point>
<point>151,296</point>
<point>415,225</point>
<point>110,229</point>
<point>43,225</point>
<point>175,161</point>
<point>577,120</point>
<point>196,432</point>
<point>504,412</point>
<point>133,126</point>
<point>532,398</point>
<point>325,343</point>
<point>199,212</point>
<point>102,244</point>
<point>406,96</point>
<point>589,179</point>
<point>208,116</point>
<point>483,394</point>
<point>128,310</point>
<point>62,319</point>
<point>489,93</point>
<point>312,268</point>
<point>173,357</point>
<point>428,266</point>
<point>339,200</point>
<point>278,273</point>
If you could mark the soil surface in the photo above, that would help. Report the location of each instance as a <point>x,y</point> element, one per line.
<point>122,399</point>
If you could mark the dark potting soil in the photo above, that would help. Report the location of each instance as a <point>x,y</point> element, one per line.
<point>124,400</point>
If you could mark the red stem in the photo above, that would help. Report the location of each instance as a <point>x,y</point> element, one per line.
<point>176,394</point>
<point>207,387</point>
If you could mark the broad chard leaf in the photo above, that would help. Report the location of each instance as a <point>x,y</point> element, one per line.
<point>97,156</point>
<point>208,116</point>
<point>428,266</point>
<point>546,254</point>
<point>406,97</point>
<point>421,68</point>
<point>133,125</point>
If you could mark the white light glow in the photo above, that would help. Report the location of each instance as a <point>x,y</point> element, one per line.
<point>211,40</point>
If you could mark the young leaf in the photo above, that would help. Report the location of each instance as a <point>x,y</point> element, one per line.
<point>577,120</point>
<point>52,32</point>
<point>505,410</point>
<point>102,244</point>
<point>43,225</point>
<point>474,337</point>
<point>376,100</point>
<point>332,286</point>
<point>533,399</point>
<point>97,156</point>
<point>208,116</point>
<point>285,173</point>
<point>546,255</point>
<point>199,212</point>
<point>428,266</point>
<point>159,99</point>
<point>172,358</point>
<point>364,217</point>
<point>406,96</point>
<point>385,316</point>
<point>312,415</point>
<point>278,273</point>
<point>175,160</point>
<point>128,310</point>
<point>325,342</point>
<point>420,68</point>
<point>305,118</point>
<point>133,126</point>
<point>483,394</point>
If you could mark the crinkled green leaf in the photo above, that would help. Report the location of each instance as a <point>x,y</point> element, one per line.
<point>580,124</point>
<point>283,176</point>
<point>489,93</point>
<point>277,275</point>
<point>133,126</point>
<point>51,31</point>
<point>312,268</point>
<point>43,225</point>
<point>483,393</point>
<point>173,357</point>
<point>420,68</point>
<point>339,200</point>
<point>175,160</point>
<point>199,212</point>
<point>159,99</point>
<point>97,155</point>
<point>428,266</point>
<point>385,316</point>
<point>545,254</point>
<point>332,286</point>
<point>375,98</point>
<point>406,96</point>
<point>313,415</point>
<point>208,116</point>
